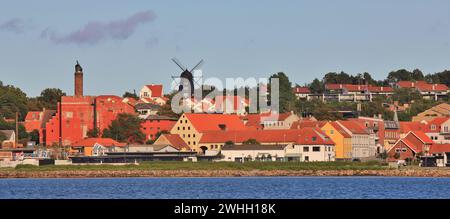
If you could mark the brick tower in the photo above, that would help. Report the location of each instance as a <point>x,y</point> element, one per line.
<point>78,80</point>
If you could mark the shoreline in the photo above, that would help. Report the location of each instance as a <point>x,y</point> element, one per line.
<point>221,173</point>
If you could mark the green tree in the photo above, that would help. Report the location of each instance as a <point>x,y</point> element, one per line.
<point>2,137</point>
<point>125,128</point>
<point>23,135</point>
<point>229,143</point>
<point>34,136</point>
<point>93,133</point>
<point>50,97</point>
<point>12,100</point>
<point>286,96</point>
<point>251,141</point>
<point>132,95</point>
<point>406,95</point>
<point>316,86</point>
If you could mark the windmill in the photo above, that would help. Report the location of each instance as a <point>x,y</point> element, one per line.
<point>187,75</point>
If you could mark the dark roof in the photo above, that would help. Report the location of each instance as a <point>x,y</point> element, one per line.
<point>7,133</point>
<point>142,106</point>
<point>157,117</point>
<point>391,125</point>
<point>253,147</point>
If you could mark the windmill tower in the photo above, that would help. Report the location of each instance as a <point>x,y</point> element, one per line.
<point>186,74</point>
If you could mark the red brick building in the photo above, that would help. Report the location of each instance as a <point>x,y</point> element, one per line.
<point>78,114</point>
<point>154,124</point>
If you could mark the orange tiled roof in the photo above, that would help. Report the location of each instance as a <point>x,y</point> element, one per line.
<point>340,130</point>
<point>422,86</point>
<point>355,87</point>
<point>307,123</point>
<point>176,141</point>
<point>423,137</point>
<point>353,127</point>
<point>157,90</point>
<point>211,122</point>
<point>301,90</point>
<point>440,148</point>
<point>303,136</point>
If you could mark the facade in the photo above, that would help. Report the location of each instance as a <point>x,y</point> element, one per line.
<point>352,92</point>
<point>375,127</point>
<point>302,93</point>
<point>391,133</point>
<point>152,94</point>
<point>10,141</point>
<point>341,138</point>
<point>152,125</point>
<point>245,153</point>
<point>411,146</point>
<point>95,147</point>
<point>174,141</point>
<point>363,144</point>
<point>191,126</point>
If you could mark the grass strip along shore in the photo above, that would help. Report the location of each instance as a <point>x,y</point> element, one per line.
<point>219,169</point>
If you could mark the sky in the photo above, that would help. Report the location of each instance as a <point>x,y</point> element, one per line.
<point>123,45</point>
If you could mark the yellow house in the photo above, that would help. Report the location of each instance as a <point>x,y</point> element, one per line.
<point>191,126</point>
<point>341,138</point>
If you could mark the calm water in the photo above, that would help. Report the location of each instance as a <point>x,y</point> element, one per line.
<point>222,188</point>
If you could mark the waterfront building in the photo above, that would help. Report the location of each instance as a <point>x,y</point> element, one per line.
<point>154,124</point>
<point>191,126</point>
<point>246,153</point>
<point>363,144</point>
<point>95,147</point>
<point>174,140</point>
<point>341,138</point>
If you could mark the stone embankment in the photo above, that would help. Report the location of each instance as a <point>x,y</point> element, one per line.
<point>221,173</point>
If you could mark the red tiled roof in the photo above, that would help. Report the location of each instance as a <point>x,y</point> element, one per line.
<point>157,90</point>
<point>301,90</point>
<point>307,123</point>
<point>106,142</point>
<point>176,141</point>
<point>436,123</point>
<point>212,122</point>
<point>422,86</point>
<point>440,148</point>
<point>406,127</point>
<point>33,115</point>
<point>353,127</point>
<point>423,137</point>
<point>220,102</point>
<point>355,87</point>
<point>303,136</point>
<point>340,130</point>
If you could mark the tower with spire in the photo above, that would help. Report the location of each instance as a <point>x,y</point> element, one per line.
<point>78,80</point>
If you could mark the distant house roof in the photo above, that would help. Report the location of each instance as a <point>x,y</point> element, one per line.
<point>340,130</point>
<point>439,148</point>
<point>176,141</point>
<point>422,137</point>
<point>252,147</point>
<point>422,85</point>
<point>355,87</point>
<point>307,123</point>
<point>157,90</point>
<point>256,120</point>
<point>435,124</point>
<point>301,90</point>
<point>214,122</point>
<point>8,133</point>
<point>157,117</point>
<point>353,127</point>
<point>106,142</point>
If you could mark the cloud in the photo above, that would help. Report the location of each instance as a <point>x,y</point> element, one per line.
<point>94,32</point>
<point>15,25</point>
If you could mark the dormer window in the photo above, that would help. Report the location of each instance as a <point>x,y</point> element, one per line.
<point>433,127</point>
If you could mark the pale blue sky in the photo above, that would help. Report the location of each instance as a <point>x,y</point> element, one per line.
<point>241,38</point>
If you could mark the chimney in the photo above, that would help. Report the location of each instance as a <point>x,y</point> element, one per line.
<point>78,80</point>
<point>223,127</point>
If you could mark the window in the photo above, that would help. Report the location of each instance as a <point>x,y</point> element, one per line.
<point>306,158</point>
<point>178,128</point>
<point>316,149</point>
<point>184,128</point>
<point>305,149</point>
<point>433,127</point>
<point>193,135</point>
<point>403,150</point>
<point>189,128</point>
<point>314,138</point>
<point>332,132</point>
<point>189,135</point>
